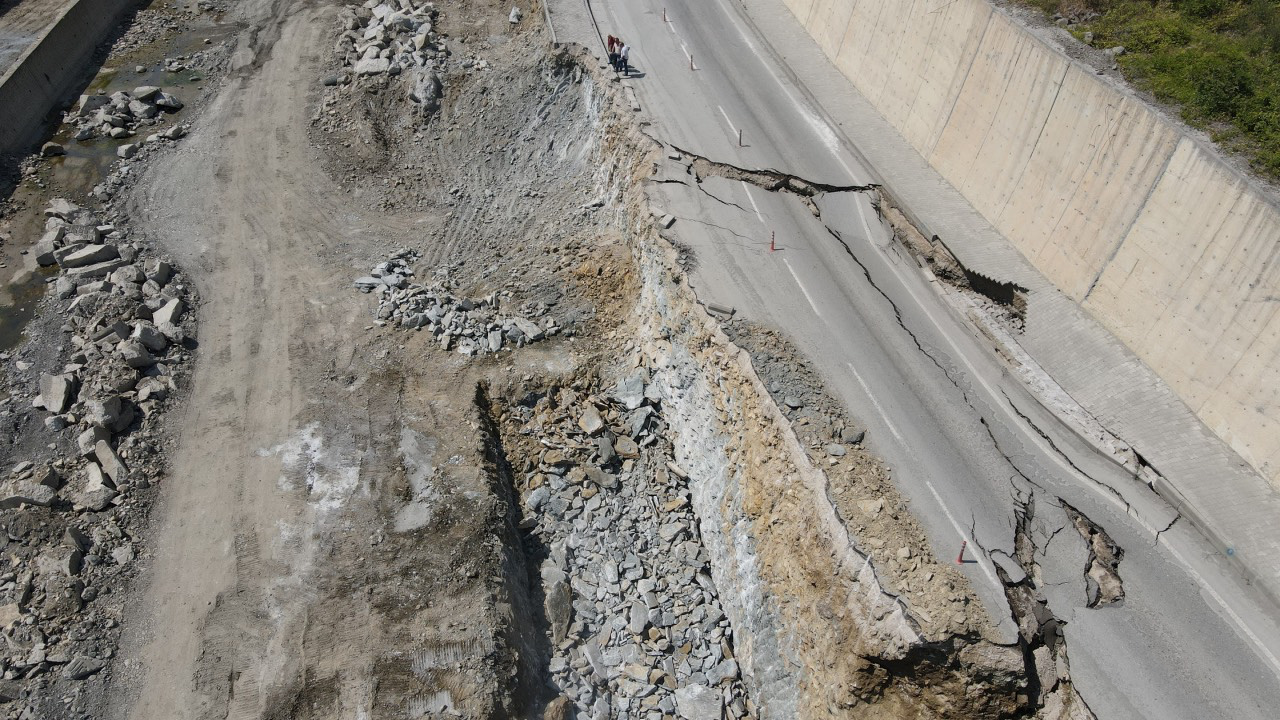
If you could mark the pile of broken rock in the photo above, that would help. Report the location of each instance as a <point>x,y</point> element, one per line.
<point>636,622</point>
<point>70,515</point>
<point>121,114</point>
<point>391,39</point>
<point>124,315</point>
<point>472,327</point>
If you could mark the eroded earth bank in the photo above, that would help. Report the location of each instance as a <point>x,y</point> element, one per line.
<point>460,440</point>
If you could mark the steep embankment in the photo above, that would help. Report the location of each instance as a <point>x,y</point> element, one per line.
<point>1165,244</point>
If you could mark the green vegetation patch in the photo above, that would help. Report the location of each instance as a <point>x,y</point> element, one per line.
<point>1219,60</point>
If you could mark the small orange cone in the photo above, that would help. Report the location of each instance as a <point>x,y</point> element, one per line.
<point>960,557</point>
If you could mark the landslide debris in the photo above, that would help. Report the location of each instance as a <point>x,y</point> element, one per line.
<point>471,327</point>
<point>86,452</point>
<point>635,622</point>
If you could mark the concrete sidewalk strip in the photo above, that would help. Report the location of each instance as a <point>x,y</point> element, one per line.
<point>1234,505</point>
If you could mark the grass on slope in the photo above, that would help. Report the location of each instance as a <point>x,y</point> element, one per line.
<point>1219,60</point>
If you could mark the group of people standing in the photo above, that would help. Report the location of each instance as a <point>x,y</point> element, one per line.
<point>619,55</point>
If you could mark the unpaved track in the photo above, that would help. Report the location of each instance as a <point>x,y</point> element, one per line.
<point>243,208</point>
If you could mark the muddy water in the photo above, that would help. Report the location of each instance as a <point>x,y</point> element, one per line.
<point>87,164</point>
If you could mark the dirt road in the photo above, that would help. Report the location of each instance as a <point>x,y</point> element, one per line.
<point>268,509</point>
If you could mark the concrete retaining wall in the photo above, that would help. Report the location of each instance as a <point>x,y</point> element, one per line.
<point>51,68</point>
<point>1166,245</point>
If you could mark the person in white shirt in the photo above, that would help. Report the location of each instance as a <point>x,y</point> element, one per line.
<point>624,59</point>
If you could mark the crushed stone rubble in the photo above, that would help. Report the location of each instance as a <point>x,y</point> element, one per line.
<point>471,327</point>
<point>72,510</point>
<point>636,626</point>
<point>392,39</point>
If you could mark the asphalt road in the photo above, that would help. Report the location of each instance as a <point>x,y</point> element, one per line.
<point>1190,640</point>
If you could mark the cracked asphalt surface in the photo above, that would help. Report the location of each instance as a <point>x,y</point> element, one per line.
<point>966,441</point>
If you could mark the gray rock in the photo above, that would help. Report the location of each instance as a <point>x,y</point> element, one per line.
<point>158,271</point>
<point>126,151</point>
<point>111,463</point>
<point>372,66</point>
<point>630,390</point>
<point>559,608</point>
<point>110,414</point>
<point>150,337</point>
<point>25,492</point>
<point>528,328</point>
<point>89,104</point>
<point>95,478</point>
<point>835,450</point>
<point>427,89</point>
<point>590,421</point>
<point>88,440</point>
<point>671,531</point>
<point>99,270</point>
<point>128,275</point>
<point>135,354</point>
<point>47,246</point>
<point>89,255</point>
<point>699,702</point>
<point>793,402</point>
<point>852,436</point>
<point>604,448</point>
<point>638,619</point>
<point>124,554</point>
<point>538,497</point>
<point>726,670</point>
<point>169,313</point>
<point>96,500</point>
<point>57,392</point>
<point>143,110</point>
<point>82,667</point>
<point>52,149</point>
<point>145,92</point>
<point>168,102</point>
<point>151,388</point>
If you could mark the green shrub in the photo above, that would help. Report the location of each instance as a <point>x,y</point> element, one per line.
<point>1219,60</point>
